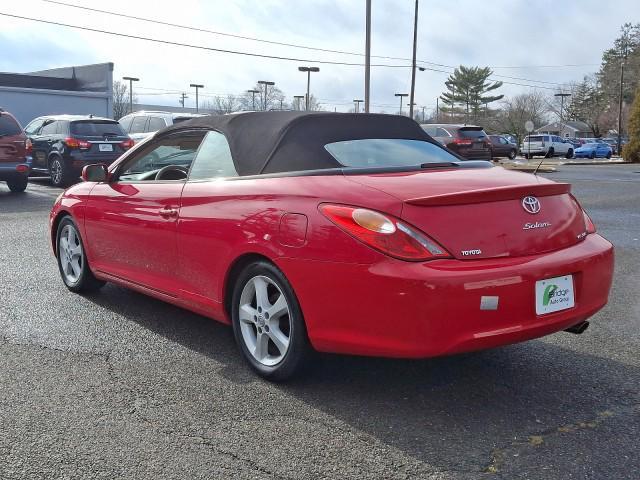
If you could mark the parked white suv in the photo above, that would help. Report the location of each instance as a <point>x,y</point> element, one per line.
<point>545,145</point>
<point>140,125</point>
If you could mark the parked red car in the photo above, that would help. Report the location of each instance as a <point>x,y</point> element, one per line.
<point>15,153</point>
<point>342,233</point>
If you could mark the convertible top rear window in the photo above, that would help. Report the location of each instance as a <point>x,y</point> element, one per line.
<point>388,152</point>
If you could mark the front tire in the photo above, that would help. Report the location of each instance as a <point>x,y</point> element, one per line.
<point>268,324</point>
<point>72,259</point>
<point>569,153</point>
<point>18,185</point>
<point>550,153</point>
<point>512,154</point>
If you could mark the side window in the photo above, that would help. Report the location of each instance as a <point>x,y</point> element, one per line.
<point>213,159</point>
<point>63,127</point>
<point>49,128</point>
<point>33,127</point>
<point>138,124</point>
<point>430,130</point>
<point>176,151</point>
<point>155,124</point>
<point>125,123</point>
<point>441,132</point>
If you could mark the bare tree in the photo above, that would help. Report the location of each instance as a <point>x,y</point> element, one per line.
<point>518,110</point>
<point>222,105</point>
<point>121,105</point>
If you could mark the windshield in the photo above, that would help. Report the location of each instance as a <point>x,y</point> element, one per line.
<point>386,152</point>
<point>98,129</point>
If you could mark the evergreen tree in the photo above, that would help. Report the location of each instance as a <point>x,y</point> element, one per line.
<point>631,151</point>
<point>469,87</point>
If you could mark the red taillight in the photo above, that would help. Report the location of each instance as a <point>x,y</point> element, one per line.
<point>384,233</point>
<point>127,144</point>
<point>22,168</point>
<point>588,223</point>
<point>28,146</point>
<point>75,143</point>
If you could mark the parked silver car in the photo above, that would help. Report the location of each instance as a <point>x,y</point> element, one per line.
<point>140,125</point>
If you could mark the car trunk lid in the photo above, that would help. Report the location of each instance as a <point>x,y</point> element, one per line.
<point>485,213</point>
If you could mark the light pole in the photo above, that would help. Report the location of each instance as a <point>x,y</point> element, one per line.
<point>367,57</point>
<point>357,102</point>
<point>197,86</point>
<point>253,98</point>
<point>266,85</point>
<point>401,95</point>
<point>624,60</point>
<point>298,100</point>
<point>413,63</point>
<point>562,97</point>
<point>308,70</point>
<point>131,80</point>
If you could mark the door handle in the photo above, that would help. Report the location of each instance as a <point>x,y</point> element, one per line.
<point>167,212</point>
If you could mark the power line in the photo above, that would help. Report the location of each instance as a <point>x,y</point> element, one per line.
<point>284,44</point>
<point>199,47</point>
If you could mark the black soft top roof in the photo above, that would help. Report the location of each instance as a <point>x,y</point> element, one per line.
<point>284,141</point>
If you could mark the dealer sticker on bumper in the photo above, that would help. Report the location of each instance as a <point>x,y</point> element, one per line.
<point>554,294</point>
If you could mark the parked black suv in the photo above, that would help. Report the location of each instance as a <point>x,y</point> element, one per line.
<point>63,144</point>
<point>15,153</point>
<point>468,141</point>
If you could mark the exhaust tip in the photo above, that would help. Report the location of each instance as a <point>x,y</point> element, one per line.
<point>578,328</point>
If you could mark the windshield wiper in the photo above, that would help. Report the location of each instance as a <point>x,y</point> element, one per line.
<point>439,164</point>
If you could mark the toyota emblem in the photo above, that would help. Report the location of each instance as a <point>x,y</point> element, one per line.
<point>531,204</point>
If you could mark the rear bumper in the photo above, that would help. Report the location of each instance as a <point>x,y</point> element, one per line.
<point>10,170</point>
<point>399,309</point>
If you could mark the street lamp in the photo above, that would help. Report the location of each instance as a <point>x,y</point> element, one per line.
<point>401,95</point>
<point>298,98</point>
<point>367,56</point>
<point>413,62</point>
<point>266,85</point>
<point>131,80</point>
<point>358,102</point>
<point>308,70</point>
<point>197,87</point>
<point>253,98</point>
<point>562,97</point>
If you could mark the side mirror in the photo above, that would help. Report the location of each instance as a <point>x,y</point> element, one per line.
<point>95,173</point>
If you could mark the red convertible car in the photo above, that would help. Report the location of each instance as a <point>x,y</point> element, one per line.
<point>344,233</point>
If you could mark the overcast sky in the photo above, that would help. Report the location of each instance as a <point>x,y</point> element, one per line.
<point>496,33</point>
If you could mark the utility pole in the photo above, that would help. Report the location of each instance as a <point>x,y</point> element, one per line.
<point>562,97</point>
<point>308,70</point>
<point>437,110</point>
<point>357,105</point>
<point>367,57</point>
<point>183,97</point>
<point>253,98</point>
<point>197,87</point>
<point>401,95</point>
<point>413,63</point>
<point>298,99</point>
<point>266,85</point>
<point>131,80</point>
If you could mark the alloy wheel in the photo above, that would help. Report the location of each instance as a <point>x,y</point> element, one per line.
<point>56,172</point>
<point>70,254</point>
<point>265,322</point>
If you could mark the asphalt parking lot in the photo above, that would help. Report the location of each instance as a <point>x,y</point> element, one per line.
<point>118,385</point>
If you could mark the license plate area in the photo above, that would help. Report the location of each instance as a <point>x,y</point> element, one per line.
<point>105,147</point>
<point>554,294</point>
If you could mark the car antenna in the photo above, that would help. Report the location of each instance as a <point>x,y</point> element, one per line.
<point>535,172</point>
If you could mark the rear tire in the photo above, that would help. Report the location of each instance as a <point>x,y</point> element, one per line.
<point>550,153</point>
<point>72,259</point>
<point>18,185</point>
<point>59,172</point>
<point>512,154</point>
<point>268,324</point>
